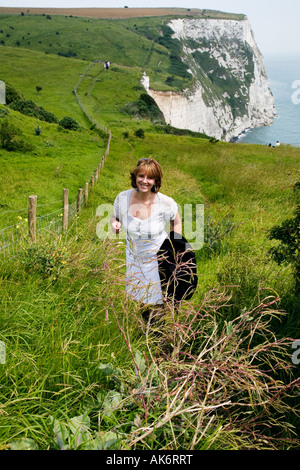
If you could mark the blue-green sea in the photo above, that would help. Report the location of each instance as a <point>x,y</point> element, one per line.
<point>284,79</point>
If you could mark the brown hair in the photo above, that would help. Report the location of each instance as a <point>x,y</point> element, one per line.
<point>152,168</point>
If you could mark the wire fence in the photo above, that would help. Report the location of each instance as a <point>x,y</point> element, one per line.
<point>57,221</point>
<point>11,237</point>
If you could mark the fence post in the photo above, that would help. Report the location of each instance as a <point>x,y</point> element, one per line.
<point>92,181</point>
<point>86,193</point>
<point>65,209</point>
<point>79,200</point>
<point>32,217</point>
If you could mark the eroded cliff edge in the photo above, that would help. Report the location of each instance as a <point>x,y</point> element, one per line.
<point>230,90</point>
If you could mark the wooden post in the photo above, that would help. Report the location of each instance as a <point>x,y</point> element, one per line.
<point>65,209</point>
<point>86,193</point>
<point>79,195</point>
<point>32,217</point>
<point>96,174</point>
<point>92,181</point>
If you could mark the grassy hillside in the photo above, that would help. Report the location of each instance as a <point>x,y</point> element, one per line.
<point>81,369</point>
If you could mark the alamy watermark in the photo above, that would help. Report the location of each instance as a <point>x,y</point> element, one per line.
<point>2,92</point>
<point>296,94</point>
<point>296,354</point>
<point>2,353</point>
<point>192,216</point>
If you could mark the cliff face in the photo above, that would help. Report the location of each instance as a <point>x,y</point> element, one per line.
<point>230,90</point>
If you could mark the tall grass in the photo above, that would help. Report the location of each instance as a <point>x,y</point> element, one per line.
<point>81,373</point>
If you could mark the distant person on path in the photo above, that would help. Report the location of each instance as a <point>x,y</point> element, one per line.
<point>277,144</point>
<point>106,65</point>
<point>143,213</point>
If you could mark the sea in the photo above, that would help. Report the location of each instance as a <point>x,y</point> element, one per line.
<point>284,79</point>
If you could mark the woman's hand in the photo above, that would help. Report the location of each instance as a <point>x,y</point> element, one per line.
<point>115,225</point>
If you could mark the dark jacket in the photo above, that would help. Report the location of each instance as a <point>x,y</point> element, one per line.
<point>177,268</point>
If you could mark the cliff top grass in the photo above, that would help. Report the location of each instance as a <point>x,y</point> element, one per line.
<point>143,42</point>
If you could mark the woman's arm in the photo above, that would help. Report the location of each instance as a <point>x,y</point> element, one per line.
<point>176,225</point>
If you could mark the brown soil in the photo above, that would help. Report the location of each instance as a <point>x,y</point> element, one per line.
<point>109,13</point>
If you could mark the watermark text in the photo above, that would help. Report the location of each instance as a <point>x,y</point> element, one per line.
<point>296,354</point>
<point>2,353</point>
<point>192,216</point>
<point>2,92</point>
<point>296,94</point>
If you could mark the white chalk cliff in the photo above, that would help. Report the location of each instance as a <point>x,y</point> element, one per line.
<point>230,90</point>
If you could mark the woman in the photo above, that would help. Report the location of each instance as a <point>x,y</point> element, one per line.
<point>143,212</point>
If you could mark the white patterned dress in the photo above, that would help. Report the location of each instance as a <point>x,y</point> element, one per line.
<point>144,239</point>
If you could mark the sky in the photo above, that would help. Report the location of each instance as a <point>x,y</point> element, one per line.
<point>275,23</point>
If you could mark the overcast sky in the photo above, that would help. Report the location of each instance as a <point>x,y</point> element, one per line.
<point>275,23</point>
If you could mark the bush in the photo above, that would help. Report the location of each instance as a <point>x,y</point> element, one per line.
<point>12,94</point>
<point>11,138</point>
<point>29,108</point>
<point>68,54</point>
<point>70,123</point>
<point>140,133</point>
<point>288,233</point>
<point>46,260</point>
<point>145,107</point>
<point>38,130</point>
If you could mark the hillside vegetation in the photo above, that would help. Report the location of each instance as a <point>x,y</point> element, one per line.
<point>82,371</point>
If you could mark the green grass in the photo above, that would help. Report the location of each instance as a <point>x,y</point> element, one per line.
<point>74,344</point>
<point>54,163</point>
<point>24,70</point>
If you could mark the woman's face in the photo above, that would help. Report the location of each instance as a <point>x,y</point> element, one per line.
<point>144,182</point>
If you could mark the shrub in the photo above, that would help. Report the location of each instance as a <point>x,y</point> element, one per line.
<point>145,107</point>
<point>288,233</point>
<point>140,133</point>
<point>67,122</point>
<point>29,108</point>
<point>68,54</point>
<point>45,259</point>
<point>11,137</point>
<point>38,130</point>
<point>12,94</point>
